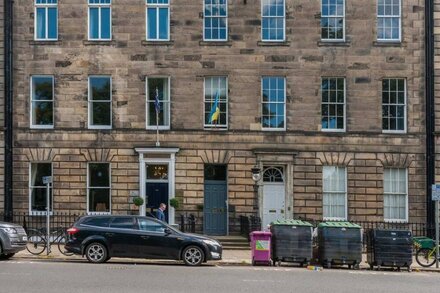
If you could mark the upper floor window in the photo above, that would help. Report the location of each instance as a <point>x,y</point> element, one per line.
<point>158,20</point>
<point>37,189</point>
<point>98,188</point>
<point>46,20</point>
<point>395,196</point>
<point>333,20</point>
<point>42,95</point>
<point>333,103</point>
<point>389,20</point>
<point>273,13</point>
<point>158,102</point>
<point>215,20</point>
<point>216,102</point>
<point>100,102</point>
<point>394,105</point>
<point>273,103</point>
<point>100,20</point>
<point>334,192</point>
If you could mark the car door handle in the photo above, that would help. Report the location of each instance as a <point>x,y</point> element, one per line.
<point>109,234</point>
<point>145,237</point>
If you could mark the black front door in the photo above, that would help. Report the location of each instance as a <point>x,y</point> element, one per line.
<point>157,193</point>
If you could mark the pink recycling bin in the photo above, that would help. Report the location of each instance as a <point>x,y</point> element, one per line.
<point>261,247</point>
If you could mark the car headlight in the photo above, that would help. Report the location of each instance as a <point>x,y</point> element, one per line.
<point>211,242</point>
<point>9,230</point>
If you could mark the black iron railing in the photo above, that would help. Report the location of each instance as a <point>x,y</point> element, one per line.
<point>38,221</point>
<point>188,223</point>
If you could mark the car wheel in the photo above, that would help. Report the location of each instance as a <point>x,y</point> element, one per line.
<point>96,253</point>
<point>6,256</point>
<point>193,256</point>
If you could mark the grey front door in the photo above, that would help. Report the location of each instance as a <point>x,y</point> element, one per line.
<point>215,208</point>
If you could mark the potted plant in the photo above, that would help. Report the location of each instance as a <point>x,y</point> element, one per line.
<point>175,203</point>
<point>138,201</point>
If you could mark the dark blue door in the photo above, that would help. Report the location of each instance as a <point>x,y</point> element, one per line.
<point>157,193</point>
<point>215,209</point>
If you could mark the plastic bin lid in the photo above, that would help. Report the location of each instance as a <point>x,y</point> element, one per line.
<point>261,233</point>
<point>291,223</point>
<point>339,225</point>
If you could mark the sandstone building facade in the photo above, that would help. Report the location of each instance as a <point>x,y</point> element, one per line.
<point>325,97</point>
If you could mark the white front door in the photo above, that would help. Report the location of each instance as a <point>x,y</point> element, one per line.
<point>274,196</point>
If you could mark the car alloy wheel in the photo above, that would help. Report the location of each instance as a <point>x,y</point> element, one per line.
<point>96,253</point>
<point>193,256</point>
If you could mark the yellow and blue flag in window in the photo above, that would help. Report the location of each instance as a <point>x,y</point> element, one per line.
<point>215,110</point>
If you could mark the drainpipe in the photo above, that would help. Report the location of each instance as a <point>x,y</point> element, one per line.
<point>430,114</point>
<point>8,8</point>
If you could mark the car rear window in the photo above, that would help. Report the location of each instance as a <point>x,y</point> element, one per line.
<point>98,222</point>
<point>122,223</point>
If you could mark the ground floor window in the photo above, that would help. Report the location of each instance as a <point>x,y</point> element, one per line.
<point>98,188</point>
<point>334,193</point>
<point>395,194</point>
<point>37,190</point>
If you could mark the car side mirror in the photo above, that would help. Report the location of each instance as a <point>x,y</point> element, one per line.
<point>167,231</point>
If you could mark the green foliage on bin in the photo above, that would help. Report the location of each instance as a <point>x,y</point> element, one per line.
<point>291,223</point>
<point>347,225</point>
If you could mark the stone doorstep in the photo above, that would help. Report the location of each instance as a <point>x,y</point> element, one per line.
<point>239,258</point>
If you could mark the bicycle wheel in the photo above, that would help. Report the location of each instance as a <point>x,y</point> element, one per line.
<point>62,239</point>
<point>425,257</point>
<point>36,242</point>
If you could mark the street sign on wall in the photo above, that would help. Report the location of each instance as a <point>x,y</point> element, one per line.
<point>436,192</point>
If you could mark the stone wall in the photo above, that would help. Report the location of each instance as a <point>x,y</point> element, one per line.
<point>302,59</point>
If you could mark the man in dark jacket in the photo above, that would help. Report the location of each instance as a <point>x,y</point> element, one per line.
<point>160,212</point>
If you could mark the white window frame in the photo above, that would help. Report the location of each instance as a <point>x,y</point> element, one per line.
<point>154,127</point>
<point>405,108</point>
<point>46,7</point>
<point>30,188</point>
<point>31,107</point>
<point>227,24</point>
<point>285,107</point>
<point>343,26</point>
<point>90,102</point>
<point>109,188</point>
<point>345,106</point>
<point>210,126</point>
<point>157,6</point>
<point>99,6</point>
<point>406,199</point>
<point>389,16</point>
<point>284,24</point>
<point>333,192</point>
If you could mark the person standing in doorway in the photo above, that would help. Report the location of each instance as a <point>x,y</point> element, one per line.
<point>160,212</point>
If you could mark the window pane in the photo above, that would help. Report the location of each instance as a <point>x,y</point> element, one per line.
<point>157,172</point>
<point>106,25</point>
<point>41,23</point>
<point>100,114</point>
<point>38,189</point>
<point>100,88</point>
<point>152,23</point>
<point>94,23</point>
<point>42,87</point>
<point>53,23</point>
<point>98,222</point>
<point>39,199</point>
<point>99,200</point>
<point>163,23</point>
<point>42,113</point>
<point>38,171</point>
<point>99,175</point>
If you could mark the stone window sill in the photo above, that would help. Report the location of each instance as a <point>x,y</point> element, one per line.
<point>388,44</point>
<point>273,44</point>
<point>45,43</point>
<point>99,43</point>
<point>215,43</point>
<point>157,43</point>
<point>334,44</point>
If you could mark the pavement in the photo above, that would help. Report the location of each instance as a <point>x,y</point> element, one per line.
<point>230,258</point>
<point>26,275</point>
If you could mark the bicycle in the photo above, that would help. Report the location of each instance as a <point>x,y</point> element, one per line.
<point>37,240</point>
<point>426,251</point>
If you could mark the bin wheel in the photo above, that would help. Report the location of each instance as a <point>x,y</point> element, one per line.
<point>279,263</point>
<point>356,266</point>
<point>349,267</point>
<point>371,266</point>
<point>409,269</point>
<point>378,267</point>
<point>329,265</point>
<point>253,262</point>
